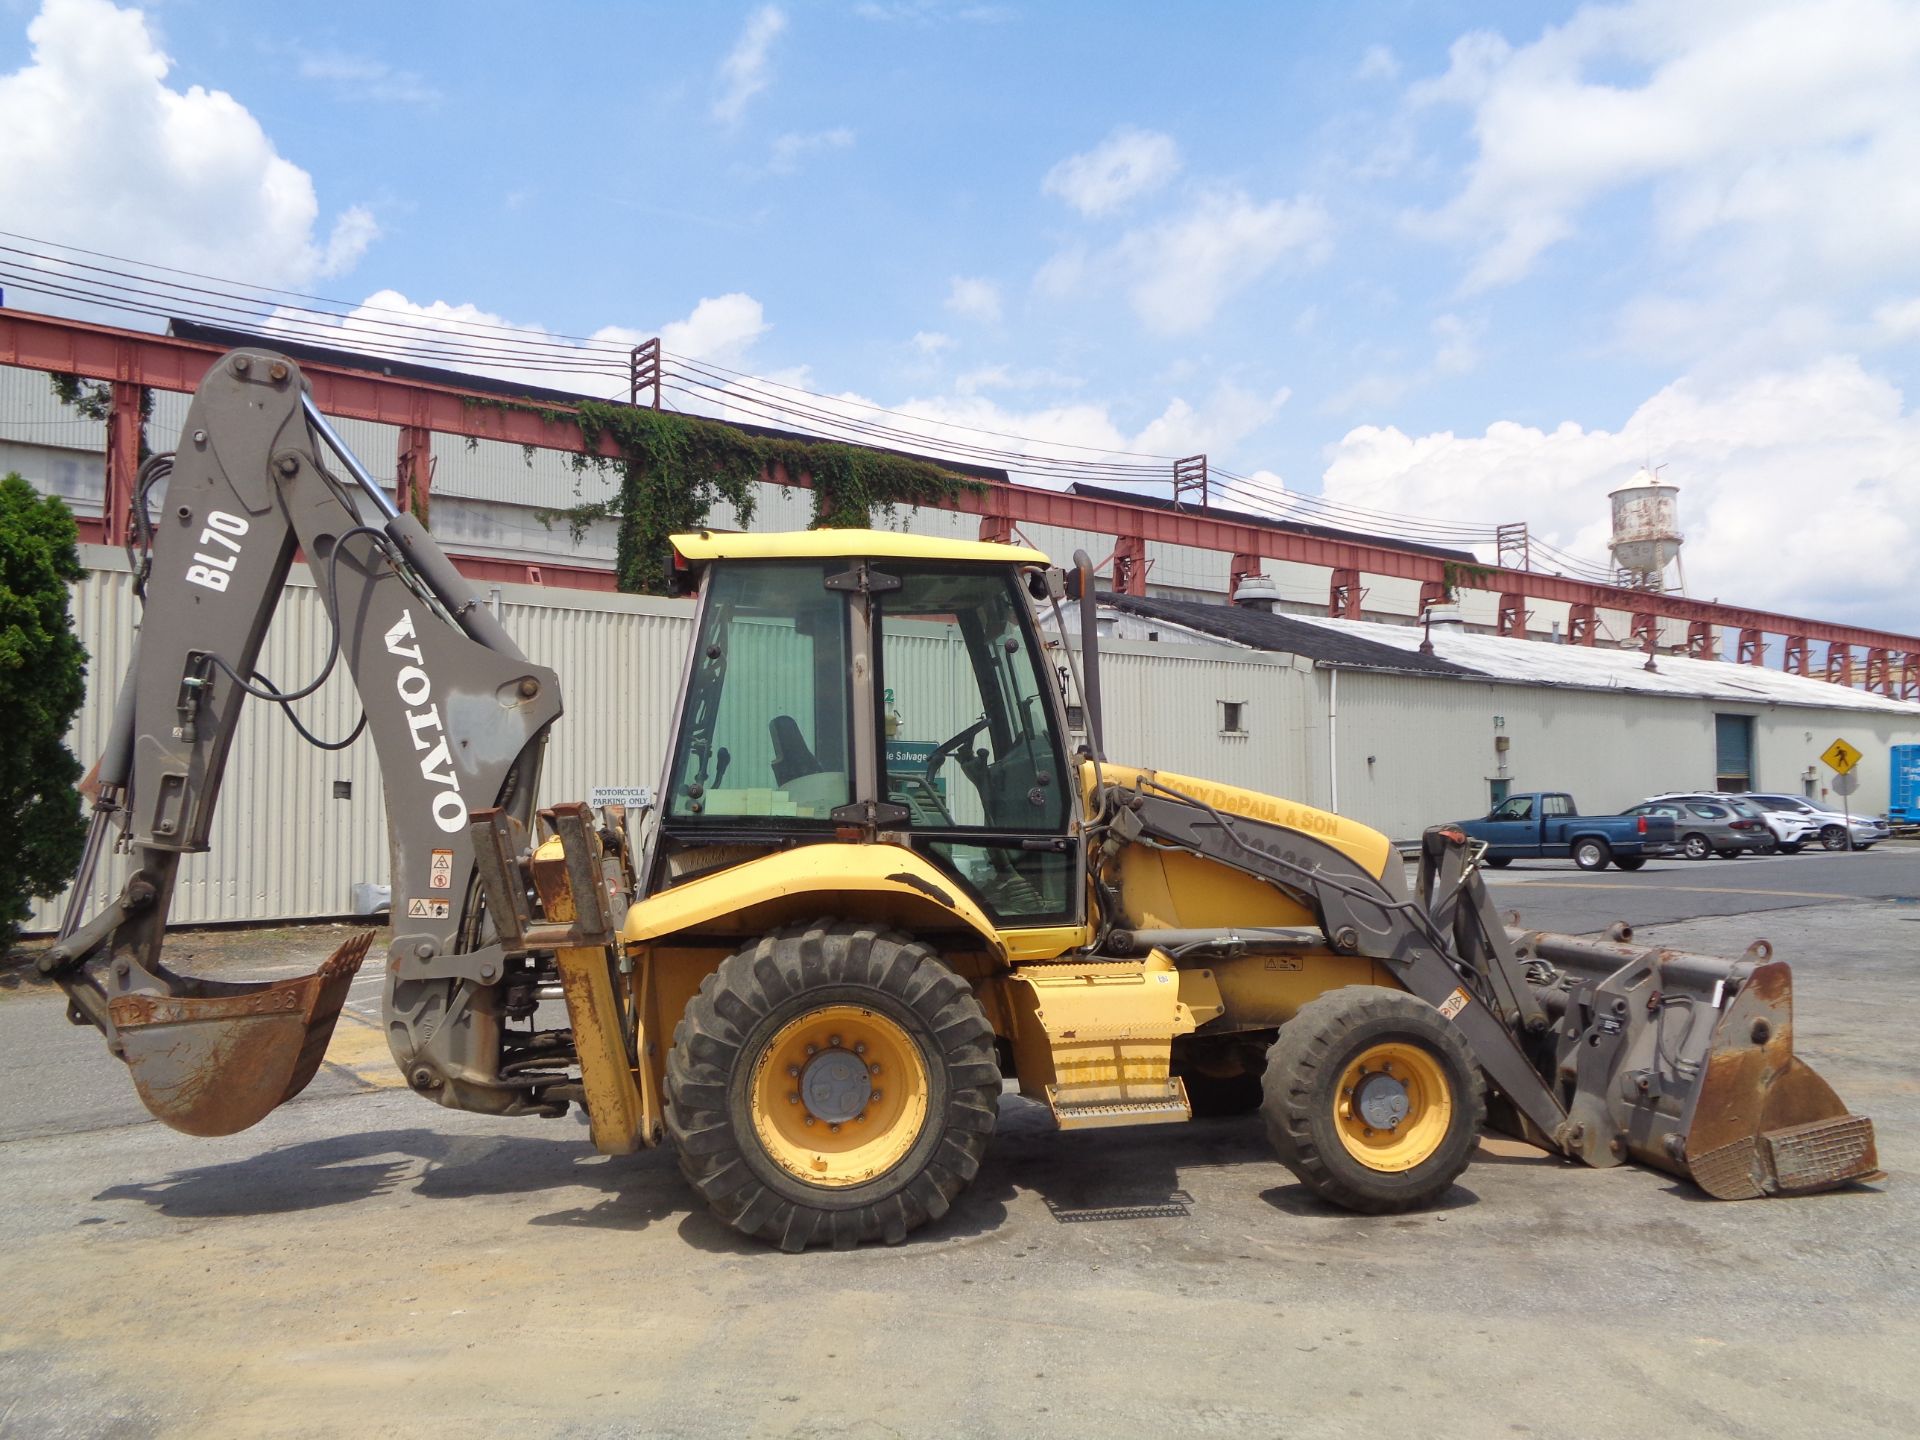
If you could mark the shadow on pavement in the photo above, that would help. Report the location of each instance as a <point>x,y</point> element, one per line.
<point>638,1189</point>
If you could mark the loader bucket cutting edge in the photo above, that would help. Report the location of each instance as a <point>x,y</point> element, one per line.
<point>1764,1122</point>
<point>214,1064</point>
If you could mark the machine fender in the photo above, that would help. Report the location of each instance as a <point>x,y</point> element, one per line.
<point>884,882</point>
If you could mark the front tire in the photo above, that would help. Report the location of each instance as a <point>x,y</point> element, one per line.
<point>1833,837</point>
<point>1592,854</point>
<point>1793,848</point>
<point>1373,1100</point>
<point>833,1082</point>
<point>1497,862</point>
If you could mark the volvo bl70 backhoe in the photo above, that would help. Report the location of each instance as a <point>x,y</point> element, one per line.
<point>880,879</point>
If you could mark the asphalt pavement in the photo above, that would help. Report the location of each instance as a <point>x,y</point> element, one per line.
<point>365,1262</point>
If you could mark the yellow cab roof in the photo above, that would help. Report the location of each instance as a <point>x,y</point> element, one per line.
<point>707,545</point>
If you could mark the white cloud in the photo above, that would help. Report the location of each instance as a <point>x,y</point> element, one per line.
<point>1129,163</point>
<point>1899,319</point>
<point>1377,64</point>
<point>100,151</point>
<point>1179,272</point>
<point>974,297</point>
<point>357,77</point>
<point>744,73</point>
<point>722,329</point>
<point>791,149</point>
<point>1787,128</point>
<point>931,342</point>
<point>1227,416</point>
<point>1799,490</point>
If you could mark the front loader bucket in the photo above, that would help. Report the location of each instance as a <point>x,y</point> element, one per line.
<point>1685,1062</point>
<point>215,1060</point>
<point>1763,1122</point>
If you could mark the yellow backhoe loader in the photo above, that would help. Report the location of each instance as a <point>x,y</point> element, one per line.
<point>883,876</point>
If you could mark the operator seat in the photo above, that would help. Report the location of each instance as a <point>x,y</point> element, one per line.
<point>792,759</point>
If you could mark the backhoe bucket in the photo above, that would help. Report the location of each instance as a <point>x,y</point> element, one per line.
<point>215,1057</point>
<point>1685,1062</point>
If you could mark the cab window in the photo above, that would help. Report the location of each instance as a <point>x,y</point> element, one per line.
<point>764,734</point>
<point>968,743</point>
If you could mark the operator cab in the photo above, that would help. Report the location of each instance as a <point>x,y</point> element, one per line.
<point>856,686</point>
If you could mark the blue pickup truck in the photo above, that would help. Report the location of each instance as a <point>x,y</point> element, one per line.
<point>1539,824</point>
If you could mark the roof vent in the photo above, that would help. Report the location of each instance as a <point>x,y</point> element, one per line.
<point>1257,592</point>
<point>1446,617</point>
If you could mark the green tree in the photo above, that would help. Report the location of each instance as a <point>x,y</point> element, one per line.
<point>43,673</point>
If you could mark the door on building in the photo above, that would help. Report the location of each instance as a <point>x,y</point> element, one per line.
<point>1733,752</point>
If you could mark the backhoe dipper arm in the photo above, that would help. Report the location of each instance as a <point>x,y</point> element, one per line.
<point>457,715</point>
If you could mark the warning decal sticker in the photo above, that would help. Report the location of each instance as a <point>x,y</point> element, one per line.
<point>1454,1004</point>
<point>442,875</point>
<point>418,909</point>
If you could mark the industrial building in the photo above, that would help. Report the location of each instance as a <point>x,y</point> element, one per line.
<point>1284,656</point>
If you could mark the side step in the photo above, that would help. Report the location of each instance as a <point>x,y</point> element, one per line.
<point>1101,1115</point>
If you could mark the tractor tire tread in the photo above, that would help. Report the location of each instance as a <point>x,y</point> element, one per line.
<point>1309,1044</point>
<point>773,971</point>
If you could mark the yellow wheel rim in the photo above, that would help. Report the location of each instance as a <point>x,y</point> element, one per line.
<point>839,1096</point>
<point>1394,1106</point>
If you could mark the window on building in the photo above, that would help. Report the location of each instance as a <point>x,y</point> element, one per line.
<point>1733,752</point>
<point>1497,791</point>
<point>1233,717</point>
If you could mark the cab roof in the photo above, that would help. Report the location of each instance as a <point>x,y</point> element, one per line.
<point>706,545</point>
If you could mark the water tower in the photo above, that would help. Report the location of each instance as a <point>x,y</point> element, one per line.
<point>1646,534</point>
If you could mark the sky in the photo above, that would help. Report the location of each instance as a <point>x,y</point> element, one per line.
<point>1478,262</point>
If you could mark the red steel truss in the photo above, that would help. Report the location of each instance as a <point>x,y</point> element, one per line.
<point>130,359</point>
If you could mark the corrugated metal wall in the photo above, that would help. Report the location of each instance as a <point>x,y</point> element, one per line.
<point>1433,744</point>
<point>286,847</point>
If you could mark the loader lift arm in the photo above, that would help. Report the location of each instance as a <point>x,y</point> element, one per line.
<point>457,714</point>
<point>1603,1051</point>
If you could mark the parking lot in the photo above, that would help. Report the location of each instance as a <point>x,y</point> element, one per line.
<point>366,1262</point>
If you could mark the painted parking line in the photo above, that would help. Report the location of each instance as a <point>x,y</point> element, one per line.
<point>1644,888</point>
<point>359,1051</point>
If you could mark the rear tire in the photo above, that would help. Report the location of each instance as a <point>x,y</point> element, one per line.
<point>1631,862</point>
<point>1392,1042</point>
<point>1696,847</point>
<point>1792,849</point>
<point>887,1152</point>
<point>1498,862</point>
<point>1592,854</point>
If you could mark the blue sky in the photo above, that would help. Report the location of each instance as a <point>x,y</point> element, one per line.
<point>1474,261</point>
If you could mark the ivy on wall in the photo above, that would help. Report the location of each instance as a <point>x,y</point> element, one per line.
<point>674,468</point>
<point>93,399</point>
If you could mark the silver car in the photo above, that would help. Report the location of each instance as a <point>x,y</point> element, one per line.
<point>1790,830</point>
<point>1709,827</point>
<point>1831,825</point>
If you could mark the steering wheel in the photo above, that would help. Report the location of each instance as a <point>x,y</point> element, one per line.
<point>952,747</point>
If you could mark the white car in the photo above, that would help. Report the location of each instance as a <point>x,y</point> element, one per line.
<point>1830,826</point>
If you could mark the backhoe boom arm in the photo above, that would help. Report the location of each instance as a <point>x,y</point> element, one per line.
<point>456,713</point>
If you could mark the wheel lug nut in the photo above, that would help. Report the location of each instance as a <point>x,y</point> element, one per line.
<point>873,1069</point>
<point>835,1128</point>
<point>833,1042</point>
<point>878,1095</point>
<point>861,1116</point>
<point>810,1120</point>
<point>813,1049</point>
<point>793,1097</point>
<point>859,1047</point>
<point>794,1071</point>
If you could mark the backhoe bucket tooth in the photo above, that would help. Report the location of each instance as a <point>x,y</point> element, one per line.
<point>1763,1122</point>
<point>214,1058</point>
